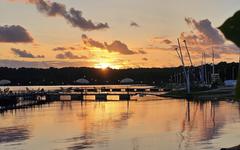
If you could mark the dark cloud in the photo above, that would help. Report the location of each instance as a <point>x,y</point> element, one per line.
<point>166,41</point>
<point>14,34</point>
<point>69,55</point>
<point>204,37</point>
<point>206,30</point>
<point>161,48</point>
<point>115,46</point>
<point>44,64</point>
<point>24,53</point>
<point>193,38</point>
<point>61,48</point>
<point>92,43</point>
<point>145,59</point>
<point>72,48</point>
<point>162,40</point>
<point>142,52</point>
<point>134,24</point>
<point>73,16</point>
<point>118,46</point>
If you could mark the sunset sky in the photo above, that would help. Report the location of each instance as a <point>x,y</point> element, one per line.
<point>111,33</point>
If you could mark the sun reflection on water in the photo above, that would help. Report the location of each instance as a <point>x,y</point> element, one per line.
<point>147,125</point>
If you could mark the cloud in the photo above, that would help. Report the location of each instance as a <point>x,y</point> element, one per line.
<point>43,64</point>
<point>61,48</point>
<point>169,48</point>
<point>115,46</point>
<point>145,59</point>
<point>92,43</point>
<point>207,33</point>
<point>118,46</point>
<point>70,55</point>
<point>25,54</point>
<point>134,24</point>
<point>216,55</point>
<point>166,41</point>
<point>73,16</point>
<point>14,34</point>
<point>142,52</point>
<point>203,37</point>
<point>162,40</point>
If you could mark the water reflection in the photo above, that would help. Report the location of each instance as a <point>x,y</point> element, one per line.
<point>66,105</point>
<point>95,133</point>
<point>198,124</point>
<point>82,142</point>
<point>140,125</point>
<point>14,134</point>
<point>204,121</point>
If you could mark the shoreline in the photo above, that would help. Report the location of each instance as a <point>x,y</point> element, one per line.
<point>213,94</point>
<point>232,148</point>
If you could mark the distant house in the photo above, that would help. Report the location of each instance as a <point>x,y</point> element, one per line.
<point>5,82</point>
<point>82,81</point>
<point>127,81</point>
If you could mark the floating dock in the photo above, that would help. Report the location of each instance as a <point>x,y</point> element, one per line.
<point>31,97</point>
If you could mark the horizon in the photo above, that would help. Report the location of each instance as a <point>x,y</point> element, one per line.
<point>109,68</point>
<point>77,34</point>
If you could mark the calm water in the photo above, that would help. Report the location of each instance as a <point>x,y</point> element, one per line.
<point>137,125</point>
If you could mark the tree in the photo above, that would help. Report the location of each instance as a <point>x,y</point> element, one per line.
<point>231,30</point>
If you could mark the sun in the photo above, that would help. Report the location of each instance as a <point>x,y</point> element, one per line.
<point>104,66</point>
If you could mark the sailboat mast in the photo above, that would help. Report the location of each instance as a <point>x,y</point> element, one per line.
<point>189,56</point>
<point>213,55</point>
<point>186,74</point>
<point>205,68</point>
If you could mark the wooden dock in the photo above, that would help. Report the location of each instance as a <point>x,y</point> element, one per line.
<point>28,98</point>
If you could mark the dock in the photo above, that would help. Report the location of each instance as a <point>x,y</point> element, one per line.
<point>26,98</point>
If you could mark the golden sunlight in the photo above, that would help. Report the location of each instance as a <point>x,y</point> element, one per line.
<point>104,66</point>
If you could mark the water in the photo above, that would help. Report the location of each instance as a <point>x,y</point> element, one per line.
<point>137,125</point>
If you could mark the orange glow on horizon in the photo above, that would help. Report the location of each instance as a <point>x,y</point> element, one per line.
<point>104,66</point>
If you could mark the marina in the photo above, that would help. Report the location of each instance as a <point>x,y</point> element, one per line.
<point>20,98</point>
<point>119,75</point>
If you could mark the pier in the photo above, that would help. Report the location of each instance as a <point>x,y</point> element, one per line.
<point>25,98</point>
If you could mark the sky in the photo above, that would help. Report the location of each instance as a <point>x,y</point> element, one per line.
<point>112,33</point>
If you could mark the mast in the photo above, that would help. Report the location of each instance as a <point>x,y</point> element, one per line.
<point>202,71</point>
<point>186,74</point>
<point>213,63</point>
<point>205,68</point>
<point>189,56</point>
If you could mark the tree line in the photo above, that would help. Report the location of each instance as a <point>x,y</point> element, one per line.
<point>67,76</point>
